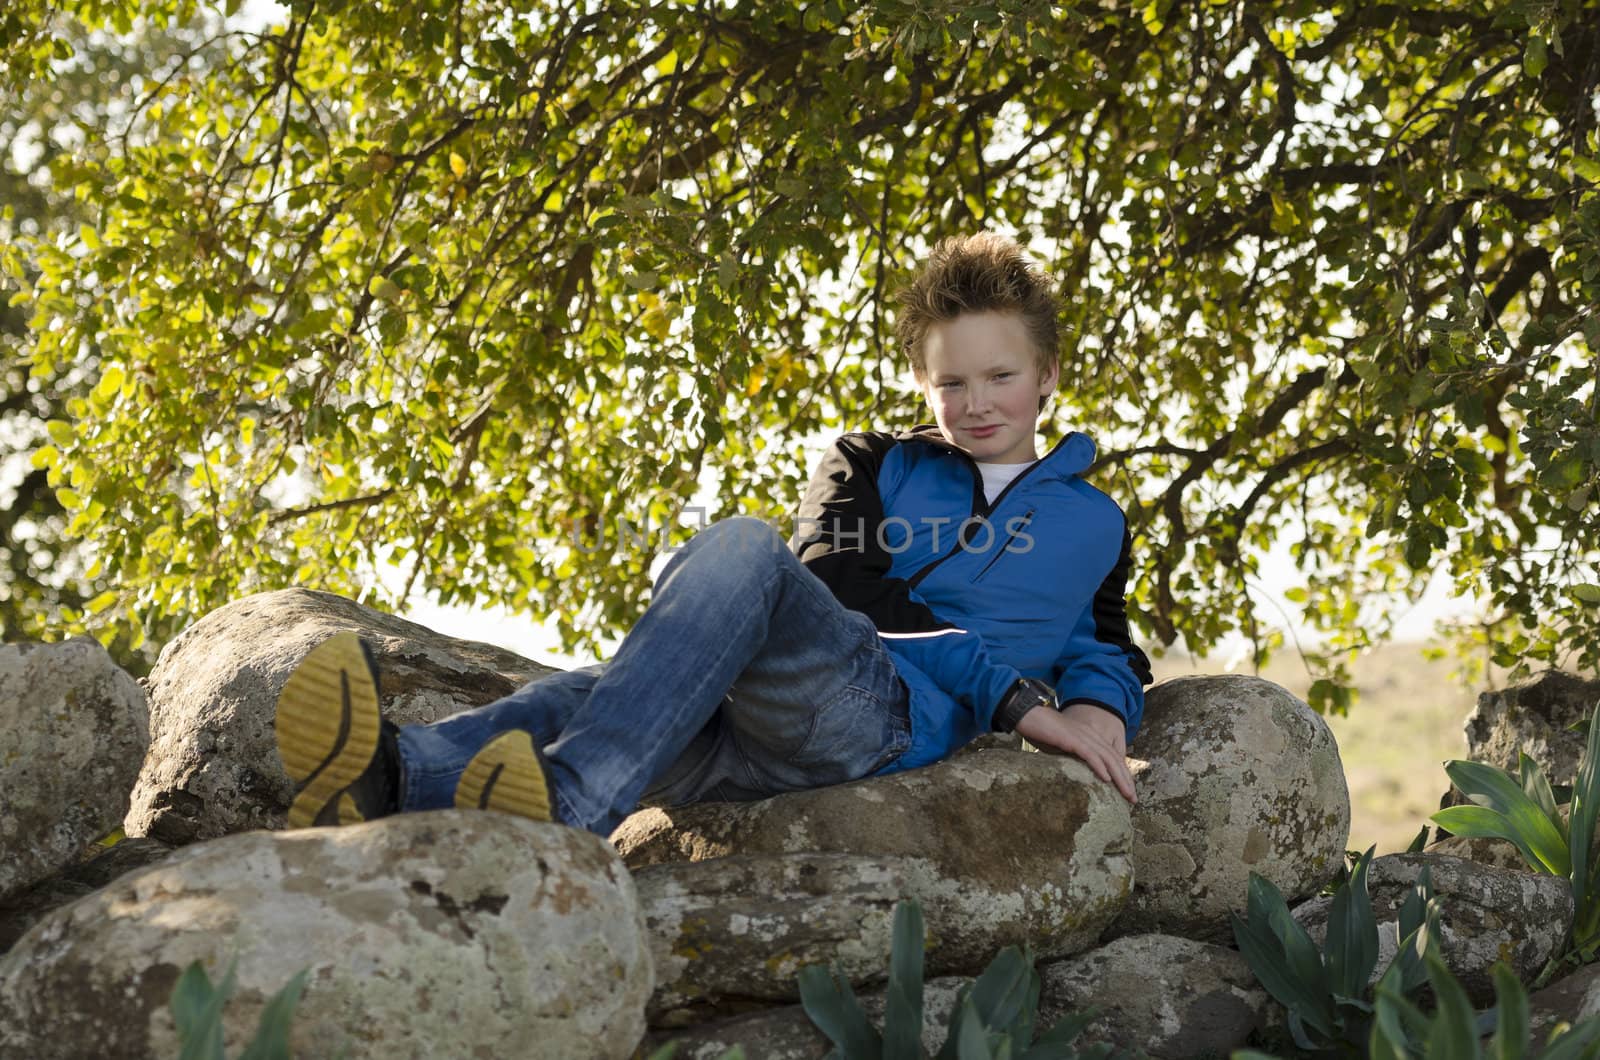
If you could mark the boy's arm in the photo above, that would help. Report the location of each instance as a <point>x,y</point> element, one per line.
<point>1100,665</point>
<point>837,538</point>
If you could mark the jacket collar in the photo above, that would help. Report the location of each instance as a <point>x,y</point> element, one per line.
<point>1070,456</point>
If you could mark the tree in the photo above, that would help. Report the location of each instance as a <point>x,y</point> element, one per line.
<point>464,285</point>
<point>47,579</point>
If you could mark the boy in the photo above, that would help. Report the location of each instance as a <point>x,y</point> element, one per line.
<point>944,582</point>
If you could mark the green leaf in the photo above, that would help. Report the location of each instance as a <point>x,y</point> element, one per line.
<point>272,1031</point>
<point>385,289</point>
<point>1584,814</point>
<point>1454,1033</point>
<point>902,1012</point>
<point>111,378</point>
<point>1510,1040</point>
<point>832,1006</point>
<point>1586,168</point>
<point>1472,462</point>
<point>1536,56</point>
<point>1588,592</point>
<point>970,1043</point>
<point>197,1011</point>
<point>1390,1038</point>
<point>90,237</point>
<point>1537,788</point>
<point>1534,833</point>
<point>1352,939</point>
<point>1001,989</point>
<point>61,433</point>
<point>1264,952</point>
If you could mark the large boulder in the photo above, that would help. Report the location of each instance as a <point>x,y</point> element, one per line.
<point>1235,775</point>
<point>448,933</point>
<point>22,910</point>
<point>734,932</point>
<point>1000,846</point>
<point>1487,914</point>
<point>1159,994</point>
<point>1536,718</point>
<point>73,730</point>
<point>213,767</point>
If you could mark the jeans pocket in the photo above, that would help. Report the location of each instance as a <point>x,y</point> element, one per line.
<point>862,728</point>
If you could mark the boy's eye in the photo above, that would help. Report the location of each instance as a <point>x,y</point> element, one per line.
<point>949,384</point>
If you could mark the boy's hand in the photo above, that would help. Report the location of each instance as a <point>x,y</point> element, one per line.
<point>1084,730</point>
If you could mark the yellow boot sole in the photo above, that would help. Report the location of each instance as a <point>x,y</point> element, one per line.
<point>506,775</point>
<point>327,730</point>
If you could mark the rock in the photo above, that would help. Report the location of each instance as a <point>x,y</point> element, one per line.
<point>213,767</point>
<point>787,1033</point>
<point>1487,914</point>
<point>448,933</point>
<point>21,911</point>
<point>733,933</point>
<point>1533,717</point>
<point>1498,853</point>
<point>1167,996</point>
<point>999,846</point>
<point>1234,775</point>
<point>73,729</point>
<point>1570,999</point>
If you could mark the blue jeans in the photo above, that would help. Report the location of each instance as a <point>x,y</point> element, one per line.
<point>744,678</point>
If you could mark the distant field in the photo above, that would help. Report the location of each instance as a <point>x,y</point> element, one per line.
<point>1405,725</point>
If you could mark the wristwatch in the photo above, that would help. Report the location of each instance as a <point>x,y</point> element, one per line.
<point>1025,694</point>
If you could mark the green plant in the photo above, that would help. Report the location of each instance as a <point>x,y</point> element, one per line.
<point>197,1010</point>
<point>1400,1031</point>
<point>993,1018</point>
<point>1523,809</point>
<point>1325,992</point>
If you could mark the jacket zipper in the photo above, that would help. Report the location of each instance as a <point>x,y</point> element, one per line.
<point>1026,519</point>
<point>977,499</point>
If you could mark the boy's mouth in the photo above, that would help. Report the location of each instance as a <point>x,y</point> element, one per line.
<point>983,432</point>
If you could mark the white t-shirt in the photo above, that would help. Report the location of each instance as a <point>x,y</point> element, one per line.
<point>997,477</point>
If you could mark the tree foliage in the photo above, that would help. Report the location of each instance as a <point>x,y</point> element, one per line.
<point>464,285</point>
<point>41,120</point>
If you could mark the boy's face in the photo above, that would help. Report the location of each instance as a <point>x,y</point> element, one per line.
<point>983,384</point>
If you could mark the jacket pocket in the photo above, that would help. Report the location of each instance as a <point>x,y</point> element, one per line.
<point>1015,533</point>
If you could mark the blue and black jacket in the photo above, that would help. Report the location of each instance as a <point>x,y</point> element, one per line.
<point>969,596</point>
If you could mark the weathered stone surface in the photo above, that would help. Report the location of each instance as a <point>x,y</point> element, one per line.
<point>1488,914</point>
<point>448,933</point>
<point>213,767</point>
<point>1235,775</point>
<point>21,911</point>
<point>732,933</point>
<point>1569,1000</point>
<point>1534,717</point>
<point>1167,996</point>
<point>787,1033</point>
<point>73,729</point>
<point>1498,853</point>
<point>999,846</point>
